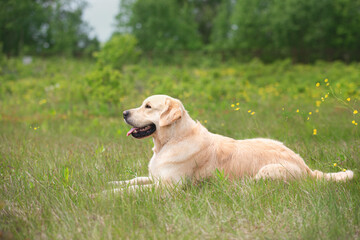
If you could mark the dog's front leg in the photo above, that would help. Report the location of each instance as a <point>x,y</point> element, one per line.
<point>164,185</point>
<point>135,188</point>
<point>135,181</point>
<point>131,189</point>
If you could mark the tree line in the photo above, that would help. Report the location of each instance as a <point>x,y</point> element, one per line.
<point>44,27</point>
<point>304,30</point>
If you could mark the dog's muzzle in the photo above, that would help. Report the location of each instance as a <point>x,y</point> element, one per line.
<point>138,132</point>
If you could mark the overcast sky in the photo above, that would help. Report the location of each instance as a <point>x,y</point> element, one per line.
<point>100,14</point>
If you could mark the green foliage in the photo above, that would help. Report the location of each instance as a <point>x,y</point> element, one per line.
<point>251,31</point>
<point>161,25</point>
<point>18,31</point>
<point>118,51</point>
<point>304,30</point>
<point>221,26</point>
<point>105,85</point>
<point>44,27</point>
<point>204,13</point>
<point>66,33</point>
<point>71,87</point>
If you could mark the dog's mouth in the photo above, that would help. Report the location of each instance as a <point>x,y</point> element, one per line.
<point>142,132</point>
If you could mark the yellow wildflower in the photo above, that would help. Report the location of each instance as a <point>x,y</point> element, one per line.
<point>297,110</point>
<point>326,96</point>
<point>308,118</point>
<point>318,103</point>
<point>43,101</point>
<point>318,84</point>
<point>355,112</point>
<point>344,169</point>
<point>205,121</point>
<point>326,80</point>
<point>335,164</point>
<point>348,99</point>
<point>237,104</point>
<point>232,105</point>
<point>314,131</point>
<point>249,111</point>
<point>236,109</point>
<point>252,113</point>
<point>310,113</point>
<point>353,122</point>
<point>327,84</point>
<point>322,99</point>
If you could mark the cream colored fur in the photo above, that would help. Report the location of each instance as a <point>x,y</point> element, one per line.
<point>184,149</point>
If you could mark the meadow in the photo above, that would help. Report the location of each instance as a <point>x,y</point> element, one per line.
<point>62,138</point>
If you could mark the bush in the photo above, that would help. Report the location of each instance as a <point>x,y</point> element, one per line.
<point>105,86</point>
<point>118,51</point>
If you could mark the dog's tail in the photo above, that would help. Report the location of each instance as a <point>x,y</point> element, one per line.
<point>337,177</point>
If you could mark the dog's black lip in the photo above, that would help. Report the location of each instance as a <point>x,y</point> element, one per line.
<point>143,134</point>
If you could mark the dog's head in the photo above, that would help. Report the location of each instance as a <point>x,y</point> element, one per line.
<point>155,115</point>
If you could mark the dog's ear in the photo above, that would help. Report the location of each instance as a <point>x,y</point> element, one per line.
<point>172,112</point>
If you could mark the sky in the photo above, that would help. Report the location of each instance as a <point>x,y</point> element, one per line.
<point>100,14</point>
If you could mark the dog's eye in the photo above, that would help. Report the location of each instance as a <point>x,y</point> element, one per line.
<point>147,106</point>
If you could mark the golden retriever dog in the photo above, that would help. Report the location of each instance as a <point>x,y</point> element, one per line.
<point>184,149</point>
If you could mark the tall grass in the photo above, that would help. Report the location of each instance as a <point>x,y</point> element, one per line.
<point>51,163</point>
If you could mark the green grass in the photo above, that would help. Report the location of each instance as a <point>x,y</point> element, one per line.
<point>54,155</point>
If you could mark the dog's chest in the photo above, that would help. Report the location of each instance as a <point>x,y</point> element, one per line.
<point>153,167</point>
<point>176,162</point>
<point>159,168</point>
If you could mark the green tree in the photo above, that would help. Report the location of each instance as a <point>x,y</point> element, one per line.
<point>19,20</point>
<point>223,28</point>
<point>251,31</point>
<point>205,11</point>
<point>308,30</point>
<point>160,25</point>
<point>43,27</point>
<point>301,28</point>
<point>304,30</point>
<point>118,51</point>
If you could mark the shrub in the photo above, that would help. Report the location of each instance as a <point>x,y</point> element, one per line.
<point>105,86</point>
<point>118,51</point>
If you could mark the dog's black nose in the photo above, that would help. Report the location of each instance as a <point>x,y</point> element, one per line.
<point>126,114</point>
